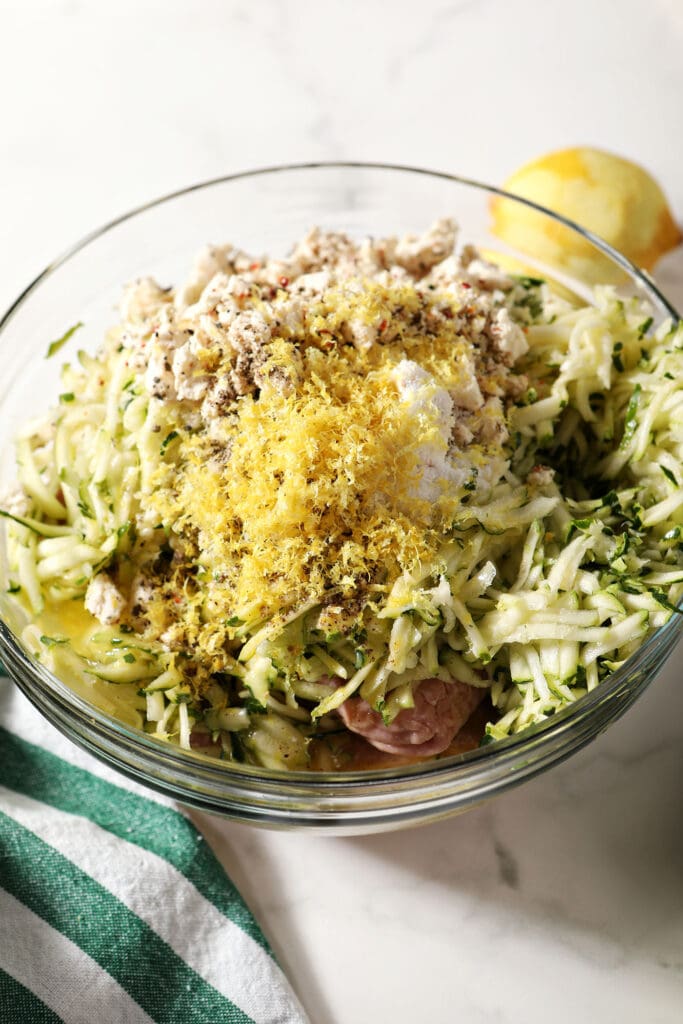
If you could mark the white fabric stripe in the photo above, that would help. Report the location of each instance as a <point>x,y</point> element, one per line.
<point>28,724</point>
<point>56,970</point>
<point>218,950</point>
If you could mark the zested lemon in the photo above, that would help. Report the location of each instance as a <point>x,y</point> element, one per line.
<point>612,197</point>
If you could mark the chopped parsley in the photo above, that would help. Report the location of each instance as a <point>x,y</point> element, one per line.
<point>54,641</point>
<point>167,440</point>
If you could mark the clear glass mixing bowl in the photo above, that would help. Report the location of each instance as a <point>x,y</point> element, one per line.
<point>266,211</point>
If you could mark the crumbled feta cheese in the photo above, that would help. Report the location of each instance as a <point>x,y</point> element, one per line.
<point>104,600</point>
<point>220,396</point>
<point>506,334</point>
<point>318,250</point>
<point>466,393</point>
<point>290,313</point>
<point>362,335</point>
<point>159,379</point>
<point>313,285</point>
<point>248,332</point>
<point>428,403</point>
<point>419,253</point>
<point>142,300</point>
<point>210,261</point>
<point>189,379</point>
<point>488,276</point>
<point>17,502</point>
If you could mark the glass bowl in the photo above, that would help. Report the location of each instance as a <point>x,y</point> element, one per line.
<point>266,211</point>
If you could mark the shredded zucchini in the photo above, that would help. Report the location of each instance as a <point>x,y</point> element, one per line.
<point>540,584</point>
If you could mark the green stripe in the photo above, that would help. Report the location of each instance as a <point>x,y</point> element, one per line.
<point>33,771</point>
<point>76,905</point>
<point>19,1004</point>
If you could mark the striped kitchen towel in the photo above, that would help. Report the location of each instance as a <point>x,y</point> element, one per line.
<point>113,909</point>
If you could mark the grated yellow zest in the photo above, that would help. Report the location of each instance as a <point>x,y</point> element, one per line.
<point>312,487</point>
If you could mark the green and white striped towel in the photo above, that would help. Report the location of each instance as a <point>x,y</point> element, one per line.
<point>113,909</point>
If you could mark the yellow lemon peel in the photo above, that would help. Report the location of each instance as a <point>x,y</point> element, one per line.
<point>612,197</point>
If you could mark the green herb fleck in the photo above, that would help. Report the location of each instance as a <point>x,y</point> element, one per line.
<point>53,641</point>
<point>669,475</point>
<point>616,357</point>
<point>167,440</point>
<point>55,346</point>
<point>645,327</point>
<point>530,282</point>
<point>471,484</point>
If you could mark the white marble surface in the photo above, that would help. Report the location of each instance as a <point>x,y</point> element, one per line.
<point>563,900</point>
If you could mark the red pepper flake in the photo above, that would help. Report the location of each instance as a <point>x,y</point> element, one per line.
<point>382,326</point>
<point>177,599</point>
<point>284,282</point>
<point>254,266</point>
<point>448,313</point>
<point>464,284</point>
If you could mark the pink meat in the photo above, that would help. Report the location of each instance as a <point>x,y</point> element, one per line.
<point>198,740</point>
<point>441,709</point>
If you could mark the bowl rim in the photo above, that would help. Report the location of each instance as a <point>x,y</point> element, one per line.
<point>431,770</point>
<point>634,271</point>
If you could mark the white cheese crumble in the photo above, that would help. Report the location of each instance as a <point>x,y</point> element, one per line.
<point>104,600</point>
<point>431,407</point>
